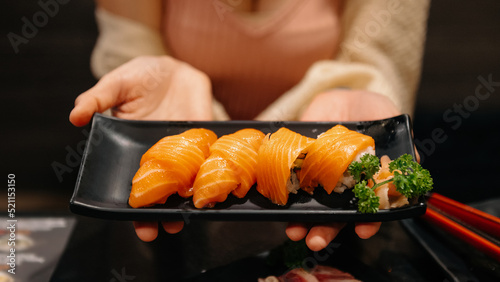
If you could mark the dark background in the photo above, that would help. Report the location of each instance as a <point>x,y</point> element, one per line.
<point>41,81</point>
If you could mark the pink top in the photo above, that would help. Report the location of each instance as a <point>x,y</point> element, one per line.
<point>250,63</point>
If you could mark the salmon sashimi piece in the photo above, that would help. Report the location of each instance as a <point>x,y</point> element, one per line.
<point>276,159</point>
<point>170,166</point>
<point>230,168</point>
<point>200,138</point>
<point>329,156</point>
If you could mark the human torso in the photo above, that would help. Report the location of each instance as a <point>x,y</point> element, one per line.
<point>253,51</point>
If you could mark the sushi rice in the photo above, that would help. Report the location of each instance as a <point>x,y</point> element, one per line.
<point>347,181</point>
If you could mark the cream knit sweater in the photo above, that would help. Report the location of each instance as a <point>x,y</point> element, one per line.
<point>381,51</point>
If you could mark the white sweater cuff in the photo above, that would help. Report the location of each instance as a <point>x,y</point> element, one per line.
<point>120,40</point>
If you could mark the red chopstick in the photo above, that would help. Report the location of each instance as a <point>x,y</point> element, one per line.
<point>463,233</point>
<point>485,222</point>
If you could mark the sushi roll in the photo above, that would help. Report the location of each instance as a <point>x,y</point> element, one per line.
<point>230,168</point>
<point>330,155</point>
<point>170,166</point>
<point>279,159</point>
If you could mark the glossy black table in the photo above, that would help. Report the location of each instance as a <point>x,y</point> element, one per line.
<point>100,250</point>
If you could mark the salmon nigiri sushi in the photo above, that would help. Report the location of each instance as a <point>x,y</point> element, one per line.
<point>230,168</point>
<point>330,155</point>
<point>279,158</point>
<point>170,166</point>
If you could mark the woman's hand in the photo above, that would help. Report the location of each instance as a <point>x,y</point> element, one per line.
<point>341,105</point>
<point>149,88</point>
<point>349,105</point>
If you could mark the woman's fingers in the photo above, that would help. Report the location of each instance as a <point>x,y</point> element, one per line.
<point>104,95</point>
<point>173,227</point>
<point>417,155</point>
<point>318,237</point>
<point>145,230</point>
<point>296,231</point>
<point>366,230</point>
<point>321,235</point>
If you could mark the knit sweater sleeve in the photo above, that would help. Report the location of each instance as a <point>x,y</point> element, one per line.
<point>381,51</point>
<point>120,40</point>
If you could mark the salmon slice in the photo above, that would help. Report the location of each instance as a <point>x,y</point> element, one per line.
<point>230,168</point>
<point>276,159</point>
<point>198,137</point>
<point>170,166</point>
<point>329,156</point>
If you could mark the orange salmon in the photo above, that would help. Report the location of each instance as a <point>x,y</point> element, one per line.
<point>170,166</point>
<point>329,156</point>
<point>276,159</point>
<point>230,168</point>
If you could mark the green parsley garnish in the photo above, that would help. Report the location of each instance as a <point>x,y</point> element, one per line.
<point>410,179</point>
<point>368,167</point>
<point>368,202</point>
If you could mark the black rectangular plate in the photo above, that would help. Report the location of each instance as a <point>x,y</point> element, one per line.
<point>115,146</point>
